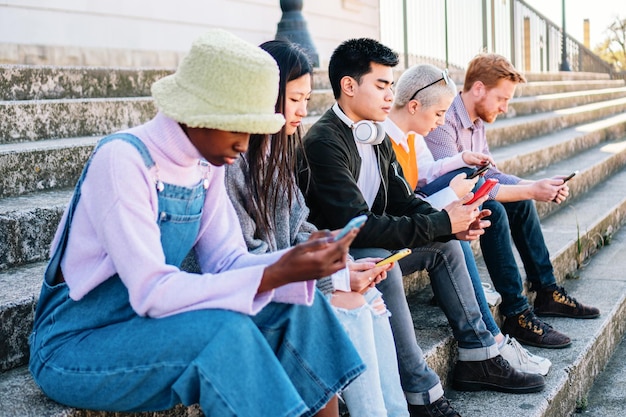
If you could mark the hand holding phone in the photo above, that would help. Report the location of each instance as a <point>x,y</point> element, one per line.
<point>483,190</point>
<point>479,171</point>
<point>394,257</point>
<point>355,223</point>
<point>566,179</point>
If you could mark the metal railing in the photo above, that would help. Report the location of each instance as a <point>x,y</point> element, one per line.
<point>449,33</point>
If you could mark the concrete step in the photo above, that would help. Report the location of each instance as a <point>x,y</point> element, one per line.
<point>22,397</point>
<point>606,397</point>
<point>38,82</point>
<point>505,131</point>
<point>534,154</point>
<point>28,224</point>
<point>595,155</point>
<point>536,88</point>
<point>601,283</point>
<point>585,225</point>
<point>595,165</point>
<point>544,102</point>
<point>42,165</point>
<point>32,120</point>
<point>565,76</point>
<point>19,291</point>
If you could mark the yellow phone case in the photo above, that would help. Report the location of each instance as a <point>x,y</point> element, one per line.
<point>398,255</point>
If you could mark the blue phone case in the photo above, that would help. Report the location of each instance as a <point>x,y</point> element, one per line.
<point>355,223</point>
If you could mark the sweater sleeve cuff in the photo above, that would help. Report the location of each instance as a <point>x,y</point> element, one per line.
<point>441,224</point>
<point>296,293</point>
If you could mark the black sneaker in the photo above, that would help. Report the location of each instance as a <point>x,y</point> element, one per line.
<point>440,408</point>
<point>555,302</point>
<point>528,329</point>
<point>495,374</point>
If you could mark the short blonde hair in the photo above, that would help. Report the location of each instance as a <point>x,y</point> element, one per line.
<point>489,69</point>
<point>419,76</point>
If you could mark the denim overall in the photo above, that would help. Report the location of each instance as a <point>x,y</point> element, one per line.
<point>97,353</point>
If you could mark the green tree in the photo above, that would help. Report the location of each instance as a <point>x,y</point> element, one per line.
<point>613,48</point>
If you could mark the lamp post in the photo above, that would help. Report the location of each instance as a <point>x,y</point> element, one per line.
<point>564,64</point>
<point>292,27</point>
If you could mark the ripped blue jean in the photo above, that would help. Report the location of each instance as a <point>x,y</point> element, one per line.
<point>377,392</point>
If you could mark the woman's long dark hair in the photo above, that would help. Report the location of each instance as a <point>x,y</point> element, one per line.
<point>271,159</point>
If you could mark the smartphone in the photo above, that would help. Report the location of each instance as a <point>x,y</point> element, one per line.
<point>484,189</point>
<point>355,223</point>
<point>479,171</point>
<point>394,257</point>
<point>570,176</point>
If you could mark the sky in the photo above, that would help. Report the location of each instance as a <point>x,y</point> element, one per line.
<point>601,13</point>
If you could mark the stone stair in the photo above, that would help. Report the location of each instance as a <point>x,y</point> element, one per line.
<point>52,117</point>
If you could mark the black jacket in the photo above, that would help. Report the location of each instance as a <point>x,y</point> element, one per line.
<point>398,218</point>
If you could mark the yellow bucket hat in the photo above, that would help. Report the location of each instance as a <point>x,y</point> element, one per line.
<point>223,83</point>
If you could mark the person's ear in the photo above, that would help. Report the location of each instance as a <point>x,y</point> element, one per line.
<point>414,106</point>
<point>478,89</point>
<point>348,85</point>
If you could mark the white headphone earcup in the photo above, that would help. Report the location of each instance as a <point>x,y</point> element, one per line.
<point>365,131</point>
<point>380,135</point>
<point>368,132</point>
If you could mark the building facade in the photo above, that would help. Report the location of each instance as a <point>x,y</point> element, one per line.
<point>156,33</point>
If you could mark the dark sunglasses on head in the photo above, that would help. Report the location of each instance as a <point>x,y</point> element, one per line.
<point>444,77</point>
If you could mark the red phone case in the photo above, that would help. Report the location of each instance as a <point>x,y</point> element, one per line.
<point>484,189</point>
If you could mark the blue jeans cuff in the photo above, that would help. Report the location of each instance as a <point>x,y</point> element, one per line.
<point>423,398</point>
<point>478,354</point>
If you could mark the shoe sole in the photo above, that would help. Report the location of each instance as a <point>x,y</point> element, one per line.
<point>481,386</point>
<point>542,373</point>
<point>537,313</point>
<point>526,342</point>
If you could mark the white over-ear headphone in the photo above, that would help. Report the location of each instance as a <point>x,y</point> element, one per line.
<point>365,131</point>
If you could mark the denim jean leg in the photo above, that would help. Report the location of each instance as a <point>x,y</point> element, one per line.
<point>497,250</point>
<point>485,311</point>
<point>181,356</point>
<point>317,370</point>
<point>443,181</point>
<point>528,238</point>
<point>364,395</point>
<point>420,383</point>
<point>453,290</point>
<point>395,402</point>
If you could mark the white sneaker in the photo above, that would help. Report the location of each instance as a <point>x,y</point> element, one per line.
<point>493,297</point>
<point>522,360</point>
